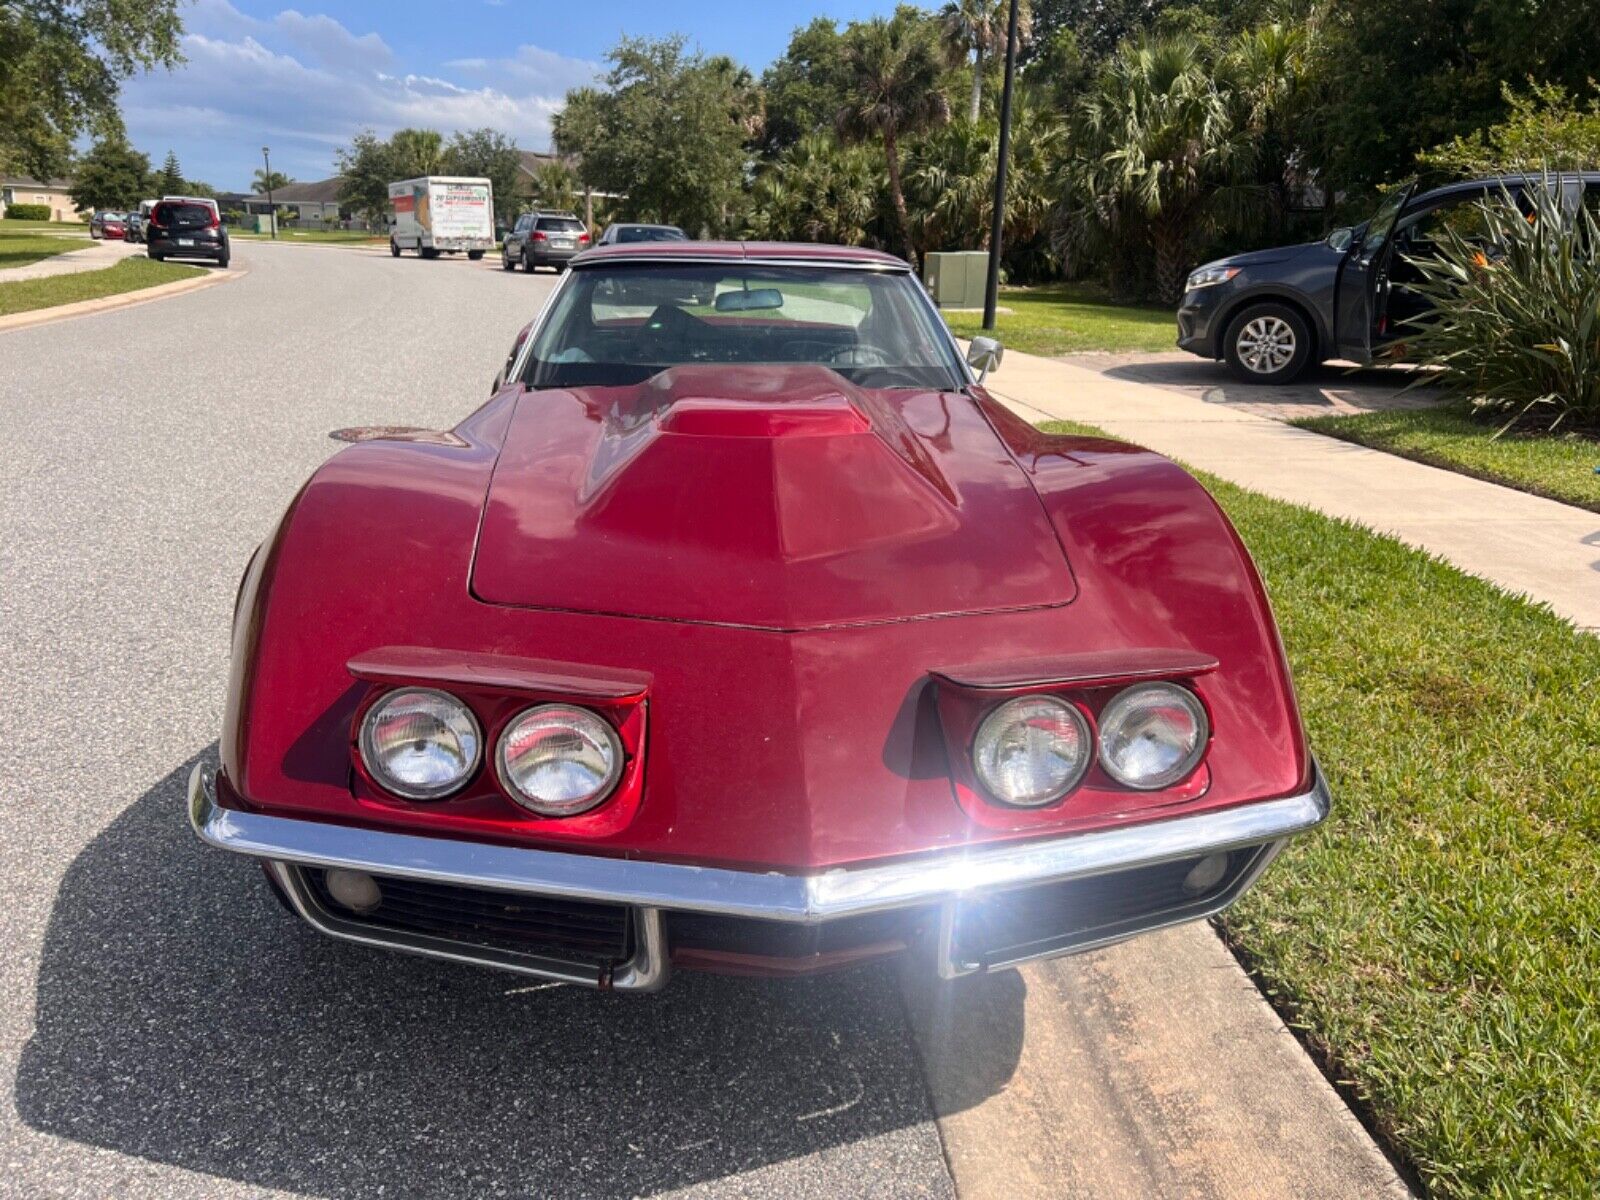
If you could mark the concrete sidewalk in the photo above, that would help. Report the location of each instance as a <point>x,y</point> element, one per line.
<point>93,256</point>
<point>1525,544</point>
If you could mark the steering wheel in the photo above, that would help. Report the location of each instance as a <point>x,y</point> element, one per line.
<point>862,354</point>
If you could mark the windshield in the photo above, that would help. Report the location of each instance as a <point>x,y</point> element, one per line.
<point>650,233</point>
<point>618,324</point>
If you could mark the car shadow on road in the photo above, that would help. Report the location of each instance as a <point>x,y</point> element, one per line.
<point>184,1018</point>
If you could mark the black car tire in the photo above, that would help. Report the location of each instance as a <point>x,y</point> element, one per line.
<point>507,263</point>
<point>527,263</point>
<point>158,257</point>
<point>1268,343</point>
<point>222,260</point>
<point>474,255</point>
<point>394,248</point>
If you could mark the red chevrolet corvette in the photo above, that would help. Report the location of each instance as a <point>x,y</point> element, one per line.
<point>742,630</point>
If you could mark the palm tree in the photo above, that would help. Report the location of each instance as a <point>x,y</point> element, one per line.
<point>1158,155</point>
<point>555,186</point>
<point>417,152</point>
<point>978,27</point>
<point>892,77</point>
<point>269,181</point>
<point>817,191</point>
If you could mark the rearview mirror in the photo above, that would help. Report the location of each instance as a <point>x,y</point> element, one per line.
<point>754,300</point>
<point>984,355</point>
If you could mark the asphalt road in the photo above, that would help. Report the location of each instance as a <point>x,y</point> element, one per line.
<point>165,1030</point>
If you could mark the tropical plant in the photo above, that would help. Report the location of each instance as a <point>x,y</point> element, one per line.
<point>1545,127</point>
<point>269,181</point>
<point>415,152</point>
<point>893,72</point>
<point>555,186</point>
<point>366,168</point>
<point>1268,73</point>
<point>950,184</point>
<point>818,191</point>
<point>1514,319</point>
<point>1158,155</point>
<point>978,28</point>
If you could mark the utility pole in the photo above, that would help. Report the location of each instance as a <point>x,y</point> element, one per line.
<point>991,294</point>
<point>272,209</point>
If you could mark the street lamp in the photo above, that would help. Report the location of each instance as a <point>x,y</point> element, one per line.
<point>991,293</point>
<point>272,209</point>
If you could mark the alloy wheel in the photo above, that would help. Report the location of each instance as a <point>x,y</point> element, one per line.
<point>1266,345</point>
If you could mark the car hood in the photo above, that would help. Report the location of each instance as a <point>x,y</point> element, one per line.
<point>1257,258</point>
<point>772,497</point>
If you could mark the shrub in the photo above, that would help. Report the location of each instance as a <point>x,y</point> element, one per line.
<point>1514,317</point>
<point>28,212</point>
<point>1545,128</point>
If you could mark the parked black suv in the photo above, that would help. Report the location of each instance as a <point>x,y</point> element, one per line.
<point>1272,313</point>
<point>183,228</point>
<point>543,239</point>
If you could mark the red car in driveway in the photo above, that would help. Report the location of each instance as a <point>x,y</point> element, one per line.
<point>109,225</point>
<point>743,630</point>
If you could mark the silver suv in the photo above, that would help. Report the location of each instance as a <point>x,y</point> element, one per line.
<point>543,239</point>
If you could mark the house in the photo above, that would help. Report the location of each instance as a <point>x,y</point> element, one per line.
<point>19,189</point>
<point>317,201</point>
<point>528,173</point>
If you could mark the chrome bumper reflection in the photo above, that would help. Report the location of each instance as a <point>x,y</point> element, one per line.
<point>943,878</point>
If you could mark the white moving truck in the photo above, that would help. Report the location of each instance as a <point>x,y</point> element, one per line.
<point>442,214</point>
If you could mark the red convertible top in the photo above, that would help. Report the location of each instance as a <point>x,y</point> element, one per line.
<point>810,252</point>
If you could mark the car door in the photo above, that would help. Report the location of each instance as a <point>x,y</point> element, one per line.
<point>1362,296</point>
<point>518,235</point>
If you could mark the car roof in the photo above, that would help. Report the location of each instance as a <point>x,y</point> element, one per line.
<point>764,252</point>
<point>1513,179</point>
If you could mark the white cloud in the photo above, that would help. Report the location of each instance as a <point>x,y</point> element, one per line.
<point>331,44</point>
<point>306,84</point>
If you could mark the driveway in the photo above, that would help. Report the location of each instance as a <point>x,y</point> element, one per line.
<point>1326,390</point>
<point>166,1030</point>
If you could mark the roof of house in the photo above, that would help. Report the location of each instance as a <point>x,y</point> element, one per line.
<point>532,160</point>
<point>323,191</point>
<point>27,181</point>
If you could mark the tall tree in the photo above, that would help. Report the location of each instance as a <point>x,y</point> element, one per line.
<point>666,133</point>
<point>818,191</point>
<point>804,89</point>
<point>269,181</point>
<point>62,63</point>
<point>366,169</point>
<point>493,155</point>
<point>111,175</point>
<point>978,28</point>
<point>170,181</point>
<point>415,152</point>
<point>893,69</point>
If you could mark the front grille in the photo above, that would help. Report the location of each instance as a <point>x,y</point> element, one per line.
<point>509,922</point>
<point>1057,917</point>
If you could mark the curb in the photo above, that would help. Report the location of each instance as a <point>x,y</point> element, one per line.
<point>85,308</point>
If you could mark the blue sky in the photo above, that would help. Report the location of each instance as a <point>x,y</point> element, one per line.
<point>303,80</point>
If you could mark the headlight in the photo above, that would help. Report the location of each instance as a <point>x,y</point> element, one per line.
<point>1210,276</point>
<point>420,744</point>
<point>1031,751</point>
<point>1153,735</point>
<point>559,760</point>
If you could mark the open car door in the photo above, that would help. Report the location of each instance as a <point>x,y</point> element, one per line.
<point>1363,292</point>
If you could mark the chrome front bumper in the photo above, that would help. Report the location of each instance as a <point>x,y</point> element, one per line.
<point>944,879</point>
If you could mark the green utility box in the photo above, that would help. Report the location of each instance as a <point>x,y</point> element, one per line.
<point>956,280</point>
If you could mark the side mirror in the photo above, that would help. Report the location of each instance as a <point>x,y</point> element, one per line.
<point>984,355</point>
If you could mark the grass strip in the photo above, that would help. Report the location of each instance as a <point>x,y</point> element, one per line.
<point>23,243</point>
<point>129,275</point>
<point>1070,318</point>
<point>1559,467</point>
<point>1438,941</point>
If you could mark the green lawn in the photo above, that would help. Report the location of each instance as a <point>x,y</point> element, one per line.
<point>25,242</point>
<point>1071,317</point>
<point>129,275</point>
<point>337,237</point>
<point>1562,468</point>
<point>1439,939</point>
